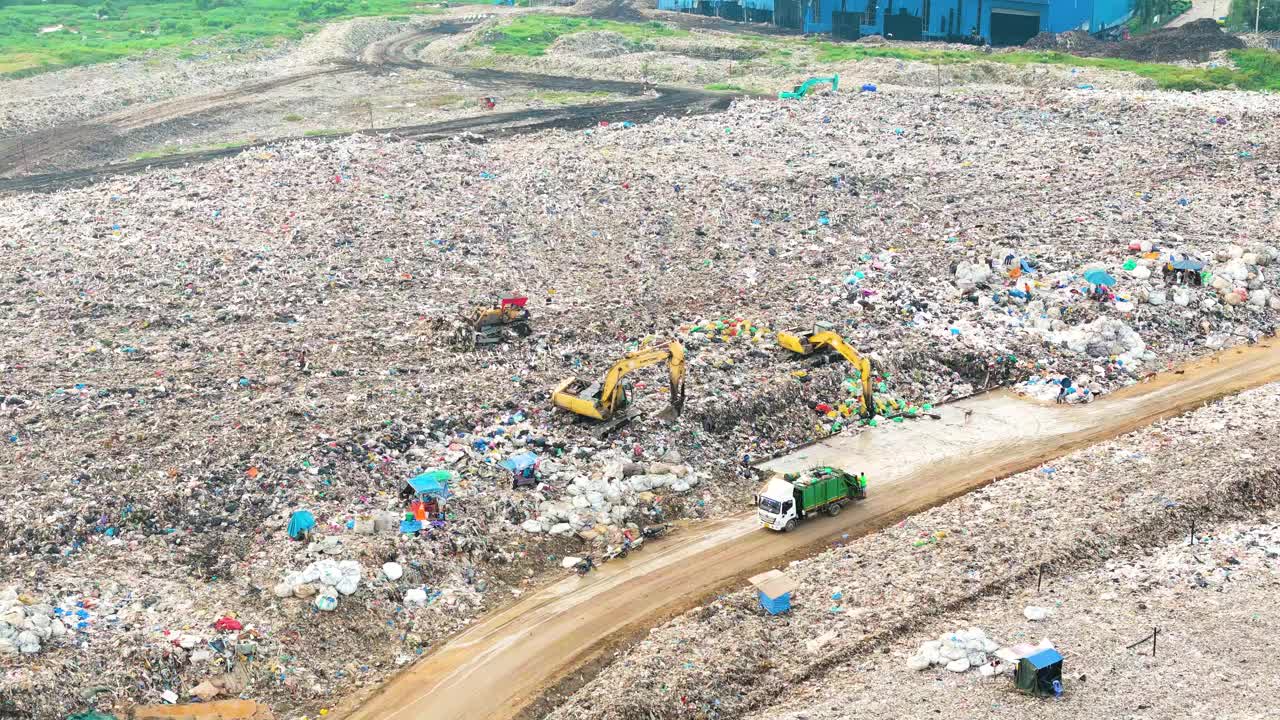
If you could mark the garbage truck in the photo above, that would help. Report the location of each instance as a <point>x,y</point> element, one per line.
<point>785,500</point>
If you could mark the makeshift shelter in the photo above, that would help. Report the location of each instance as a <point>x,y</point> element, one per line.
<point>300,522</point>
<point>523,467</point>
<point>775,588</point>
<point>432,483</point>
<point>1040,673</point>
<point>1099,277</point>
<point>428,491</point>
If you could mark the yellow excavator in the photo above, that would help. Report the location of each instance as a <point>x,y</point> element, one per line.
<point>824,339</point>
<point>486,326</point>
<point>603,400</point>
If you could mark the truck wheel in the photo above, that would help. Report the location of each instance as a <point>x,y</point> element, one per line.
<point>791,525</point>
<point>834,509</point>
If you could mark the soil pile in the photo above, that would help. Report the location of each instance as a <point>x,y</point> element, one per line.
<point>1193,41</point>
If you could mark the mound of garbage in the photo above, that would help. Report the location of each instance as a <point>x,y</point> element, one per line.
<point>1194,41</point>
<point>599,44</point>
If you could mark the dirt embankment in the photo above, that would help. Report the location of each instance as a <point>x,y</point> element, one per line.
<point>1194,41</point>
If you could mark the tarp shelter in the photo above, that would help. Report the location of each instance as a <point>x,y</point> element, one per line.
<point>520,463</point>
<point>523,469</point>
<point>432,482</point>
<point>1099,277</point>
<point>300,522</point>
<point>775,588</point>
<point>1041,673</point>
<point>1187,263</point>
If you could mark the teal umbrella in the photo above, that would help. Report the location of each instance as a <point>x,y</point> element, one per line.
<point>1099,277</point>
<point>300,522</point>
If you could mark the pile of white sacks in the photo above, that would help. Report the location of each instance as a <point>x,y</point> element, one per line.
<point>958,651</point>
<point>609,498</point>
<point>24,628</point>
<point>325,580</point>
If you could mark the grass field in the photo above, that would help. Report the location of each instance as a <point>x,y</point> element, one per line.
<point>1256,69</point>
<point>531,35</point>
<point>100,30</point>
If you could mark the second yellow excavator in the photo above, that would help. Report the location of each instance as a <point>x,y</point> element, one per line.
<point>825,338</point>
<point>602,400</point>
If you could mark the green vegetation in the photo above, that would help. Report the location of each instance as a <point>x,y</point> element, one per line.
<point>436,101</point>
<point>176,149</point>
<point>291,117</point>
<point>563,97</point>
<point>101,30</point>
<point>324,133</point>
<point>1244,13</point>
<point>725,87</point>
<point>532,34</point>
<point>1256,69</point>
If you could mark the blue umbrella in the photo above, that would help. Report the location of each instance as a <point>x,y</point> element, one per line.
<point>1187,264</point>
<point>1099,277</point>
<point>300,522</point>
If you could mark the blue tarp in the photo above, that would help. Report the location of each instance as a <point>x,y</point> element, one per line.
<point>1187,264</point>
<point>432,482</point>
<point>520,463</point>
<point>1044,658</point>
<point>1099,277</point>
<point>300,522</point>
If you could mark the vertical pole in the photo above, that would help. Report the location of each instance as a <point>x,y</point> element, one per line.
<point>1193,532</point>
<point>1155,633</point>
<point>1040,577</point>
<point>1257,17</point>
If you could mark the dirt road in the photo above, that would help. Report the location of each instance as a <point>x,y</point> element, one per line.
<point>57,149</point>
<point>1202,9</point>
<point>503,664</point>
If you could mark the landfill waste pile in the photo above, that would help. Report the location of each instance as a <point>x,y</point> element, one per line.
<point>241,365</point>
<point>976,562</point>
<point>1194,41</point>
<point>1212,601</point>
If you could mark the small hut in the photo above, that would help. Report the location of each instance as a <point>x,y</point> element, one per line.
<point>775,588</point>
<point>1040,673</point>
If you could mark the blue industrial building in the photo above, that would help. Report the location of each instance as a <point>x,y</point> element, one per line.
<point>998,22</point>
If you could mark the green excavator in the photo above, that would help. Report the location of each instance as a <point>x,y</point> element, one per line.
<point>803,88</point>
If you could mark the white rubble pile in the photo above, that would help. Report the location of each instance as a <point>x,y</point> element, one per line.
<point>958,651</point>
<point>25,627</point>
<point>324,579</point>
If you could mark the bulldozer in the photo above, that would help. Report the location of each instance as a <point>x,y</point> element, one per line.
<point>604,400</point>
<point>491,325</point>
<point>823,340</point>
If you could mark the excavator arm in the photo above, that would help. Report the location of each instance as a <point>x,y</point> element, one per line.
<point>862,364</point>
<point>611,397</point>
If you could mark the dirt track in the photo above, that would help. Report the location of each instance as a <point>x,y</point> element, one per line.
<point>45,149</point>
<point>505,663</point>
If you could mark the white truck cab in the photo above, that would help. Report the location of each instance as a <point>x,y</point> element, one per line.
<point>777,505</point>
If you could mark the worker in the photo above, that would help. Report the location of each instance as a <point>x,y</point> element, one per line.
<point>862,482</point>
<point>1064,390</point>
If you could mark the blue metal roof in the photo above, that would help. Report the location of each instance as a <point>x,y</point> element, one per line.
<point>1044,658</point>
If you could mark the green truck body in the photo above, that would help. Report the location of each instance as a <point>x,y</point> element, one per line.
<point>825,485</point>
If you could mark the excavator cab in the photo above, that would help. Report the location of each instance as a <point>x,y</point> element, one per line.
<point>491,325</point>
